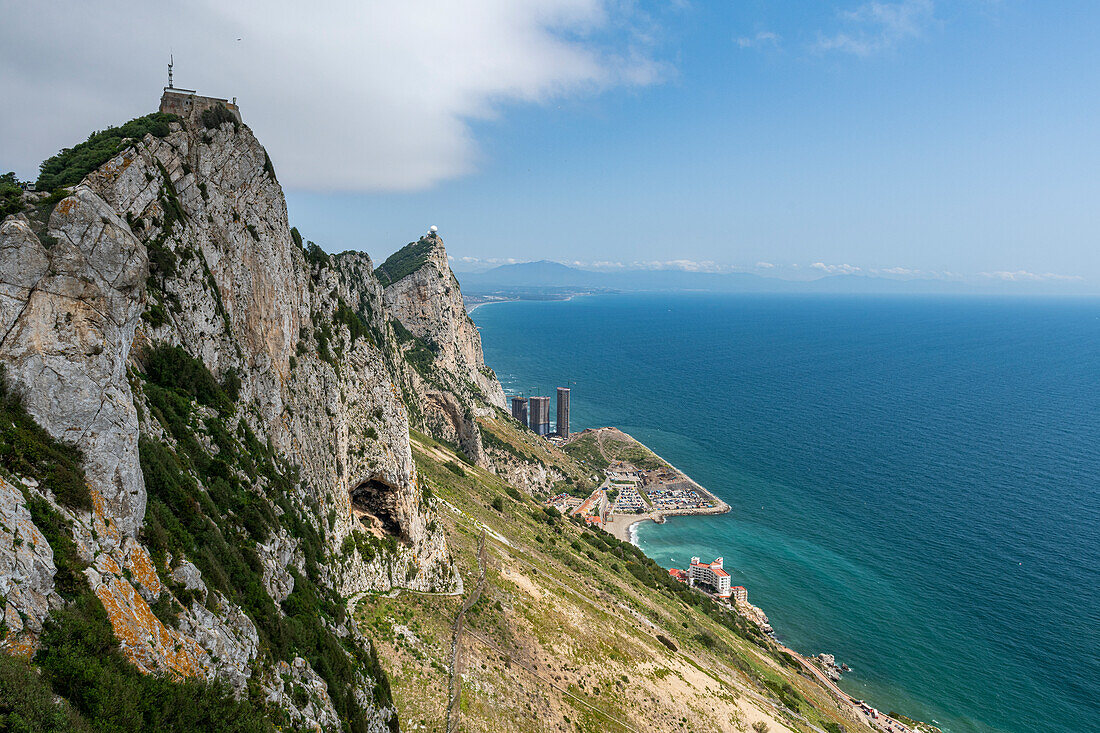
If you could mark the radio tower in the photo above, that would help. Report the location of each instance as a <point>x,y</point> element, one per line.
<point>170,61</point>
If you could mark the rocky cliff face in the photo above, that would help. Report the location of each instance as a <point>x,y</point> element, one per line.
<point>428,303</point>
<point>287,399</point>
<point>448,372</point>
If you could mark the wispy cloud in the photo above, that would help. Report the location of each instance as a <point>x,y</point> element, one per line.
<point>486,261</point>
<point>685,265</point>
<point>1025,276</point>
<point>761,39</point>
<point>836,269</point>
<point>878,26</point>
<point>765,266</point>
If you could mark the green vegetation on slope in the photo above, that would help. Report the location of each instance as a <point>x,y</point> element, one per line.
<point>616,446</point>
<point>11,195</point>
<point>70,165</point>
<point>502,434</point>
<point>419,352</point>
<point>404,262</point>
<point>203,506</point>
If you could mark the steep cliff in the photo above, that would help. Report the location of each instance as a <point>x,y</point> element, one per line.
<point>241,406</point>
<point>441,344</point>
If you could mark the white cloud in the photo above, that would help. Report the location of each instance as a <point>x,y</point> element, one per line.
<point>836,269</point>
<point>763,38</point>
<point>764,265</point>
<point>878,26</point>
<point>1025,276</point>
<point>346,95</point>
<point>685,265</point>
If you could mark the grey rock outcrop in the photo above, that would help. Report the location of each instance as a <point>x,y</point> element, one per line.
<point>428,302</point>
<point>67,315</point>
<point>26,573</point>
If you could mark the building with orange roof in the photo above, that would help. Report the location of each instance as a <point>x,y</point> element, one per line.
<point>710,574</point>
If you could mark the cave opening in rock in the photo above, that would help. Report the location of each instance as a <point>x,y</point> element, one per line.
<point>374,505</point>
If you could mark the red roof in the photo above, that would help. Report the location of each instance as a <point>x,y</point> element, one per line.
<point>678,573</point>
<point>720,573</point>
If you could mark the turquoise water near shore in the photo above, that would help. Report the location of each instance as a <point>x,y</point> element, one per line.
<point>915,482</point>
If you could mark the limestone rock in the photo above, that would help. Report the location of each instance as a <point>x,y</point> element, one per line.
<point>429,304</point>
<point>26,573</point>
<point>69,313</point>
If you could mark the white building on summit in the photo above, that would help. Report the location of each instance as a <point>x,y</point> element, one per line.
<point>710,574</point>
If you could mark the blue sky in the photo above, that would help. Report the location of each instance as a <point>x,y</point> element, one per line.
<point>933,138</point>
<point>963,138</point>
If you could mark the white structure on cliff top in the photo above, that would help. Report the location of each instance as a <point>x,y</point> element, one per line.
<point>710,574</point>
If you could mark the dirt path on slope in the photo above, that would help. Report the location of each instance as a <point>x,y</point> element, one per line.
<point>455,685</point>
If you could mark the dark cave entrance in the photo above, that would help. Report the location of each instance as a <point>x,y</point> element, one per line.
<point>374,504</point>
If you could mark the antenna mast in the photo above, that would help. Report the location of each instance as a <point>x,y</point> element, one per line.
<point>170,61</point>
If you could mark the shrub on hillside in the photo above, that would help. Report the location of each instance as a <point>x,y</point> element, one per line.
<point>216,116</point>
<point>11,195</point>
<point>70,165</point>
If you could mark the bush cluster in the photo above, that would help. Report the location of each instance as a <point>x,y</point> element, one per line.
<point>403,262</point>
<point>11,195</point>
<point>357,326</point>
<point>69,166</point>
<point>216,116</point>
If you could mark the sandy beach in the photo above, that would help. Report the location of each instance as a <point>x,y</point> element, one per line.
<point>623,526</point>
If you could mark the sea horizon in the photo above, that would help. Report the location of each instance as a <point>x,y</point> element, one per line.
<point>894,464</point>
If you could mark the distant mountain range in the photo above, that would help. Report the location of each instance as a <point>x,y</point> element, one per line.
<point>545,276</point>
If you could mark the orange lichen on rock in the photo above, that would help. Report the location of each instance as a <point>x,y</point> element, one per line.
<point>102,523</point>
<point>114,167</point>
<point>147,643</point>
<point>141,568</point>
<point>19,641</point>
<point>106,564</point>
<point>65,207</point>
<point>21,646</point>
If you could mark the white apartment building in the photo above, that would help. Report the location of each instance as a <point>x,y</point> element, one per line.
<point>710,574</point>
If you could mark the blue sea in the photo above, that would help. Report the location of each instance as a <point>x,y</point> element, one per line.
<point>915,481</point>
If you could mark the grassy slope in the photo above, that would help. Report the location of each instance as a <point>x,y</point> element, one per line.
<point>565,638</point>
<point>616,445</point>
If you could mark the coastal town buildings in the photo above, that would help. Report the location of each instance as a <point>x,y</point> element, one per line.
<point>564,503</point>
<point>738,594</point>
<point>710,574</point>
